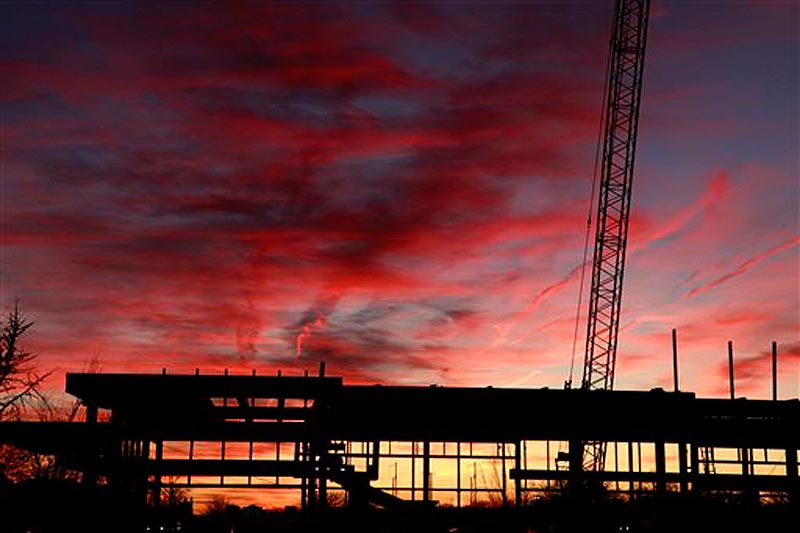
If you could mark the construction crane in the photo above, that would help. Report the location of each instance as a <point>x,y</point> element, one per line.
<point>620,125</point>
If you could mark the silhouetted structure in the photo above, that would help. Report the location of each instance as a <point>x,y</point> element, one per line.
<point>308,432</point>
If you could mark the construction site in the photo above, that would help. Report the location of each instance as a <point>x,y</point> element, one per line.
<point>406,449</point>
<point>409,450</point>
<point>305,433</point>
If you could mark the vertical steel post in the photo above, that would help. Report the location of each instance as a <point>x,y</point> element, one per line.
<point>694,459</point>
<point>413,470</point>
<point>661,469</point>
<point>730,370</point>
<point>639,462</point>
<point>774,370</point>
<point>675,358</point>
<point>222,444</point>
<point>458,474</point>
<point>426,470</point>
<point>90,474</point>
<point>191,458</point>
<point>683,467</point>
<point>547,459</point>
<point>300,454</point>
<point>630,471</point>
<point>518,469</point>
<point>792,474</point>
<point>505,477</point>
<point>157,473</point>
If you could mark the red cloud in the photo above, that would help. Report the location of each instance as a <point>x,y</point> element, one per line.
<point>190,187</point>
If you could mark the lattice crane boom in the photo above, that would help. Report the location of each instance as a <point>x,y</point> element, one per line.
<point>620,125</point>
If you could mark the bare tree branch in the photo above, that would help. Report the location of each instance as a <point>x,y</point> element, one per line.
<point>19,382</point>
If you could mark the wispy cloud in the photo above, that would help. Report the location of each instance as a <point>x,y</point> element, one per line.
<point>742,267</point>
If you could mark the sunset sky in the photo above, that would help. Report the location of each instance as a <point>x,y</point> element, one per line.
<point>400,191</point>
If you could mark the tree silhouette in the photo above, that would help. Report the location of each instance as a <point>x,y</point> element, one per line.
<point>216,506</point>
<point>19,382</point>
<point>21,397</point>
<point>173,496</point>
<point>19,390</point>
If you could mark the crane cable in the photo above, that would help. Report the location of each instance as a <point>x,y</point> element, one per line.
<point>600,131</point>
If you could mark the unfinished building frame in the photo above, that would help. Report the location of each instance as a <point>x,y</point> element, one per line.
<point>394,446</point>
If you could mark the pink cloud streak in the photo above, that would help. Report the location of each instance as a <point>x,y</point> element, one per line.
<point>742,268</point>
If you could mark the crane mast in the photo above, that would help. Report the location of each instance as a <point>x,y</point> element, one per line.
<point>620,124</point>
